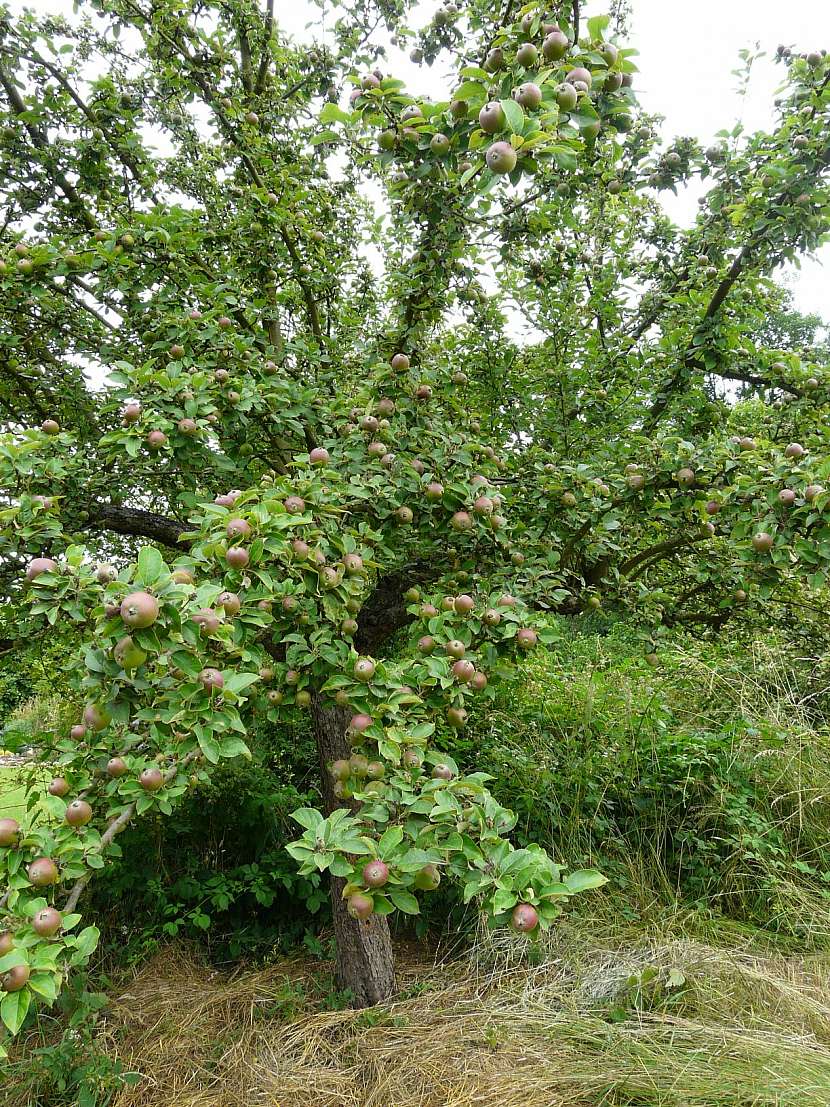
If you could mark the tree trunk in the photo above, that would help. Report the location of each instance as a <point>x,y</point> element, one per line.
<point>365,964</point>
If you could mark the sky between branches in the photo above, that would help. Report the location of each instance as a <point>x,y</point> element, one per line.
<point>688,53</point>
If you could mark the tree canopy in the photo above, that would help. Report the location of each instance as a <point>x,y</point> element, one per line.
<point>258,474</point>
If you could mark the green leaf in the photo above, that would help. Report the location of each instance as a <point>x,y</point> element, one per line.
<point>324,136</point>
<point>514,115</point>
<point>584,879</point>
<point>596,25</point>
<point>44,984</point>
<point>404,901</point>
<point>309,817</point>
<point>14,1008</point>
<point>150,565</point>
<point>331,113</point>
<point>390,839</point>
<point>208,744</point>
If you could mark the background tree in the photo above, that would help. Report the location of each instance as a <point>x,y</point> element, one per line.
<point>362,496</point>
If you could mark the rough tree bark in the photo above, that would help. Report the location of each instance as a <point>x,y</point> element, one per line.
<point>365,963</point>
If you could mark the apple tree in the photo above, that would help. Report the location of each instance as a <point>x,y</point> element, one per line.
<point>258,479</point>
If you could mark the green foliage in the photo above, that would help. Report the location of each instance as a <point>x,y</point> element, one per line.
<point>287,460</point>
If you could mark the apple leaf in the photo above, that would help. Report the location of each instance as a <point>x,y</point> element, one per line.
<point>150,565</point>
<point>404,901</point>
<point>14,1008</point>
<point>514,115</point>
<point>584,879</point>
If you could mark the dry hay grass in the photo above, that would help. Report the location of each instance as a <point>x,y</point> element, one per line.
<point>746,1029</point>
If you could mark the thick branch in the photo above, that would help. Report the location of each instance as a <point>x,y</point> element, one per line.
<point>137,523</point>
<point>266,54</point>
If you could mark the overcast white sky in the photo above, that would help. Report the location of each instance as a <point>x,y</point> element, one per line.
<point>687,56</point>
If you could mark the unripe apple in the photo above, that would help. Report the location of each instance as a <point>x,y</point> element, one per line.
<point>580,73</point>
<point>237,557</point>
<point>139,610</point>
<point>524,918</point>
<point>463,671</point>
<point>275,697</point>
<point>358,764</point>
<point>230,602</point>
<point>40,565</point>
<point>42,872</point>
<point>811,491</point>
<point>360,723</point>
<point>117,767</point>
<point>461,521</point>
<point>491,118</point>
<point>412,757</point>
<point>428,878</point>
<point>528,95</point>
<point>455,648</point>
<point>78,813</point>
<point>59,786</point>
<point>492,618</point>
<point>399,362</point>
<point>364,669</point>
<point>404,514</point>
<point>555,46</point>
<point>211,680</point>
<point>439,145</point>
<point>526,638</point>
<point>685,477</point>
<point>6,942</point>
<point>426,644</point>
<point>294,505</point>
<point>500,158</point>
<point>340,769</point>
<point>494,60</point>
<point>156,439</point>
<point>478,682</point>
<point>9,830</point>
<point>359,906</point>
<point>787,497</point>
<point>762,542</point>
<point>375,874</point>
<point>208,620</point>
<point>151,779</point>
<point>353,564</point>
<point>434,491</point>
<point>50,426</point>
<point>15,979</point>
<point>97,716</point>
<point>457,717</point>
